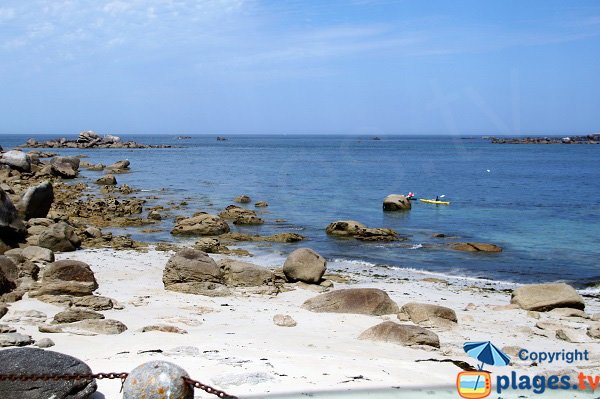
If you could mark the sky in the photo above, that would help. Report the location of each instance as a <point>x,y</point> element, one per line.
<point>290,67</point>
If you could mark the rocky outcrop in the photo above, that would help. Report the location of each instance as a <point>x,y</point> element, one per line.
<point>67,277</point>
<point>280,237</point>
<point>89,139</point>
<point>345,228</point>
<point>243,274</point>
<point>65,167</point>
<point>544,297</point>
<point>369,301</point>
<point>16,160</point>
<point>37,200</point>
<point>192,271</point>
<point>241,216</point>
<point>475,247</point>
<point>42,362</point>
<point>202,225</point>
<point>108,180</point>
<point>59,237</point>
<point>305,265</point>
<point>429,315</point>
<point>396,202</point>
<point>401,334</point>
<point>589,139</point>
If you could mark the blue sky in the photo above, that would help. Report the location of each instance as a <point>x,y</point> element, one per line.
<point>314,66</point>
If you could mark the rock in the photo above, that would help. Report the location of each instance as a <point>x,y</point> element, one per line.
<point>59,237</point>
<point>202,225</point>
<point>67,277</point>
<point>37,200</point>
<point>208,244</point>
<point>568,312</point>
<point>3,310</point>
<point>73,315</point>
<point>304,265</point>
<point>396,202</point>
<point>370,301</point>
<point>107,180</point>
<point>280,237</point>
<point>345,228</point>
<point>12,227</point>
<point>37,254</point>
<point>570,335</point>
<point>429,315</point>
<point>284,320</point>
<point>401,334</point>
<point>109,138</point>
<point>242,199</point>
<point>248,220</point>
<point>13,339</point>
<point>377,234</point>
<point>3,247</point>
<point>44,343</point>
<point>148,379</point>
<point>16,160</point>
<point>533,314</point>
<point>93,232</point>
<point>164,328</point>
<point>544,297</point>
<point>475,247</point>
<point>87,327</point>
<point>154,215</point>
<point>261,204</point>
<point>7,329</point>
<point>244,274</point>
<point>65,167</point>
<point>119,165</point>
<point>9,272</point>
<point>94,302</point>
<point>594,331</point>
<point>38,361</point>
<point>233,212</point>
<point>190,269</point>
<point>88,136</point>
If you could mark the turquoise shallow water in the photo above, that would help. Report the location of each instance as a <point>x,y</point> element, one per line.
<point>540,203</point>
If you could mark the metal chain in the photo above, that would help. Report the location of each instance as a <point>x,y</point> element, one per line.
<point>101,376</point>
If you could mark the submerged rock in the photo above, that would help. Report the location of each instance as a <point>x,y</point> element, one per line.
<point>475,247</point>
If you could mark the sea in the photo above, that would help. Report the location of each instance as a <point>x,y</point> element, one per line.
<point>540,203</point>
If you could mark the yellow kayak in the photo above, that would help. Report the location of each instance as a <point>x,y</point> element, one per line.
<point>434,202</point>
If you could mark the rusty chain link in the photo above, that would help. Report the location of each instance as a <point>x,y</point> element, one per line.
<point>101,376</point>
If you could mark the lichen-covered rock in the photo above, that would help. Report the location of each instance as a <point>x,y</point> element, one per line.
<point>305,265</point>
<point>401,334</point>
<point>154,379</point>
<point>370,301</point>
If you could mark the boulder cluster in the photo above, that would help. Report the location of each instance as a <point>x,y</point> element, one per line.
<point>89,139</point>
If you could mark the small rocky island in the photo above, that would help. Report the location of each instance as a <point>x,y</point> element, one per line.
<point>89,139</point>
<point>589,139</point>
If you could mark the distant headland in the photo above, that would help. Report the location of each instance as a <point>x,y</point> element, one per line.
<point>589,139</point>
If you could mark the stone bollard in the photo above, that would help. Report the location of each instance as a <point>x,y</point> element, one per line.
<point>157,380</point>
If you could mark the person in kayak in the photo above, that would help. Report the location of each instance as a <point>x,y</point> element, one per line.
<point>410,196</point>
<point>437,198</point>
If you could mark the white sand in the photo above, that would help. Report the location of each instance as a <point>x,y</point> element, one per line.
<point>243,352</point>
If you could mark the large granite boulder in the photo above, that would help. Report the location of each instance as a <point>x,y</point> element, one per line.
<point>396,202</point>
<point>429,315</point>
<point>67,277</point>
<point>59,237</point>
<point>475,247</point>
<point>371,301</point>
<point>345,228</point>
<point>38,361</point>
<point>65,167</point>
<point>189,270</point>
<point>305,265</point>
<point>401,334</point>
<point>243,274</point>
<point>37,200</point>
<point>544,297</point>
<point>12,228</point>
<point>16,160</point>
<point>201,225</point>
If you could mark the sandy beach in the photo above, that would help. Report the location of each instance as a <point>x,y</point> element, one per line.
<point>232,342</point>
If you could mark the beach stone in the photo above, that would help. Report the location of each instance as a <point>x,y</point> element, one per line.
<point>59,237</point>
<point>37,200</point>
<point>73,315</point>
<point>44,343</point>
<point>14,339</point>
<point>39,361</point>
<point>344,228</point>
<point>429,315</point>
<point>234,212</point>
<point>248,220</point>
<point>88,327</point>
<point>396,202</point>
<point>242,199</point>
<point>9,271</point>
<point>12,227</point>
<point>243,274</point>
<point>38,254</point>
<point>157,380</point>
<point>65,167</point>
<point>164,328</point>
<point>282,320</point>
<point>7,329</point>
<point>16,160</point>
<point>107,180</point>
<point>570,335</point>
<point>475,247</point>
<point>305,265</point>
<point>401,334</point>
<point>94,302</point>
<point>119,165</point>
<point>202,225</point>
<point>371,301</point>
<point>261,204</point>
<point>594,331</point>
<point>67,277</point>
<point>93,232</point>
<point>154,215</point>
<point>545,297</point>
<point>568,312</point>
<point>209,245</point>
<point>191,268</point>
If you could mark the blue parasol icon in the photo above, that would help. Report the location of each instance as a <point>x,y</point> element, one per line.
<point>487,353</point>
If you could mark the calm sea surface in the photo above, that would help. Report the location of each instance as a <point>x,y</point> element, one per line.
<point>541,203</point>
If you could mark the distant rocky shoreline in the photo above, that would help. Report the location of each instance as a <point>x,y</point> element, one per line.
<point>589,139</point>
<point>89,139</point>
